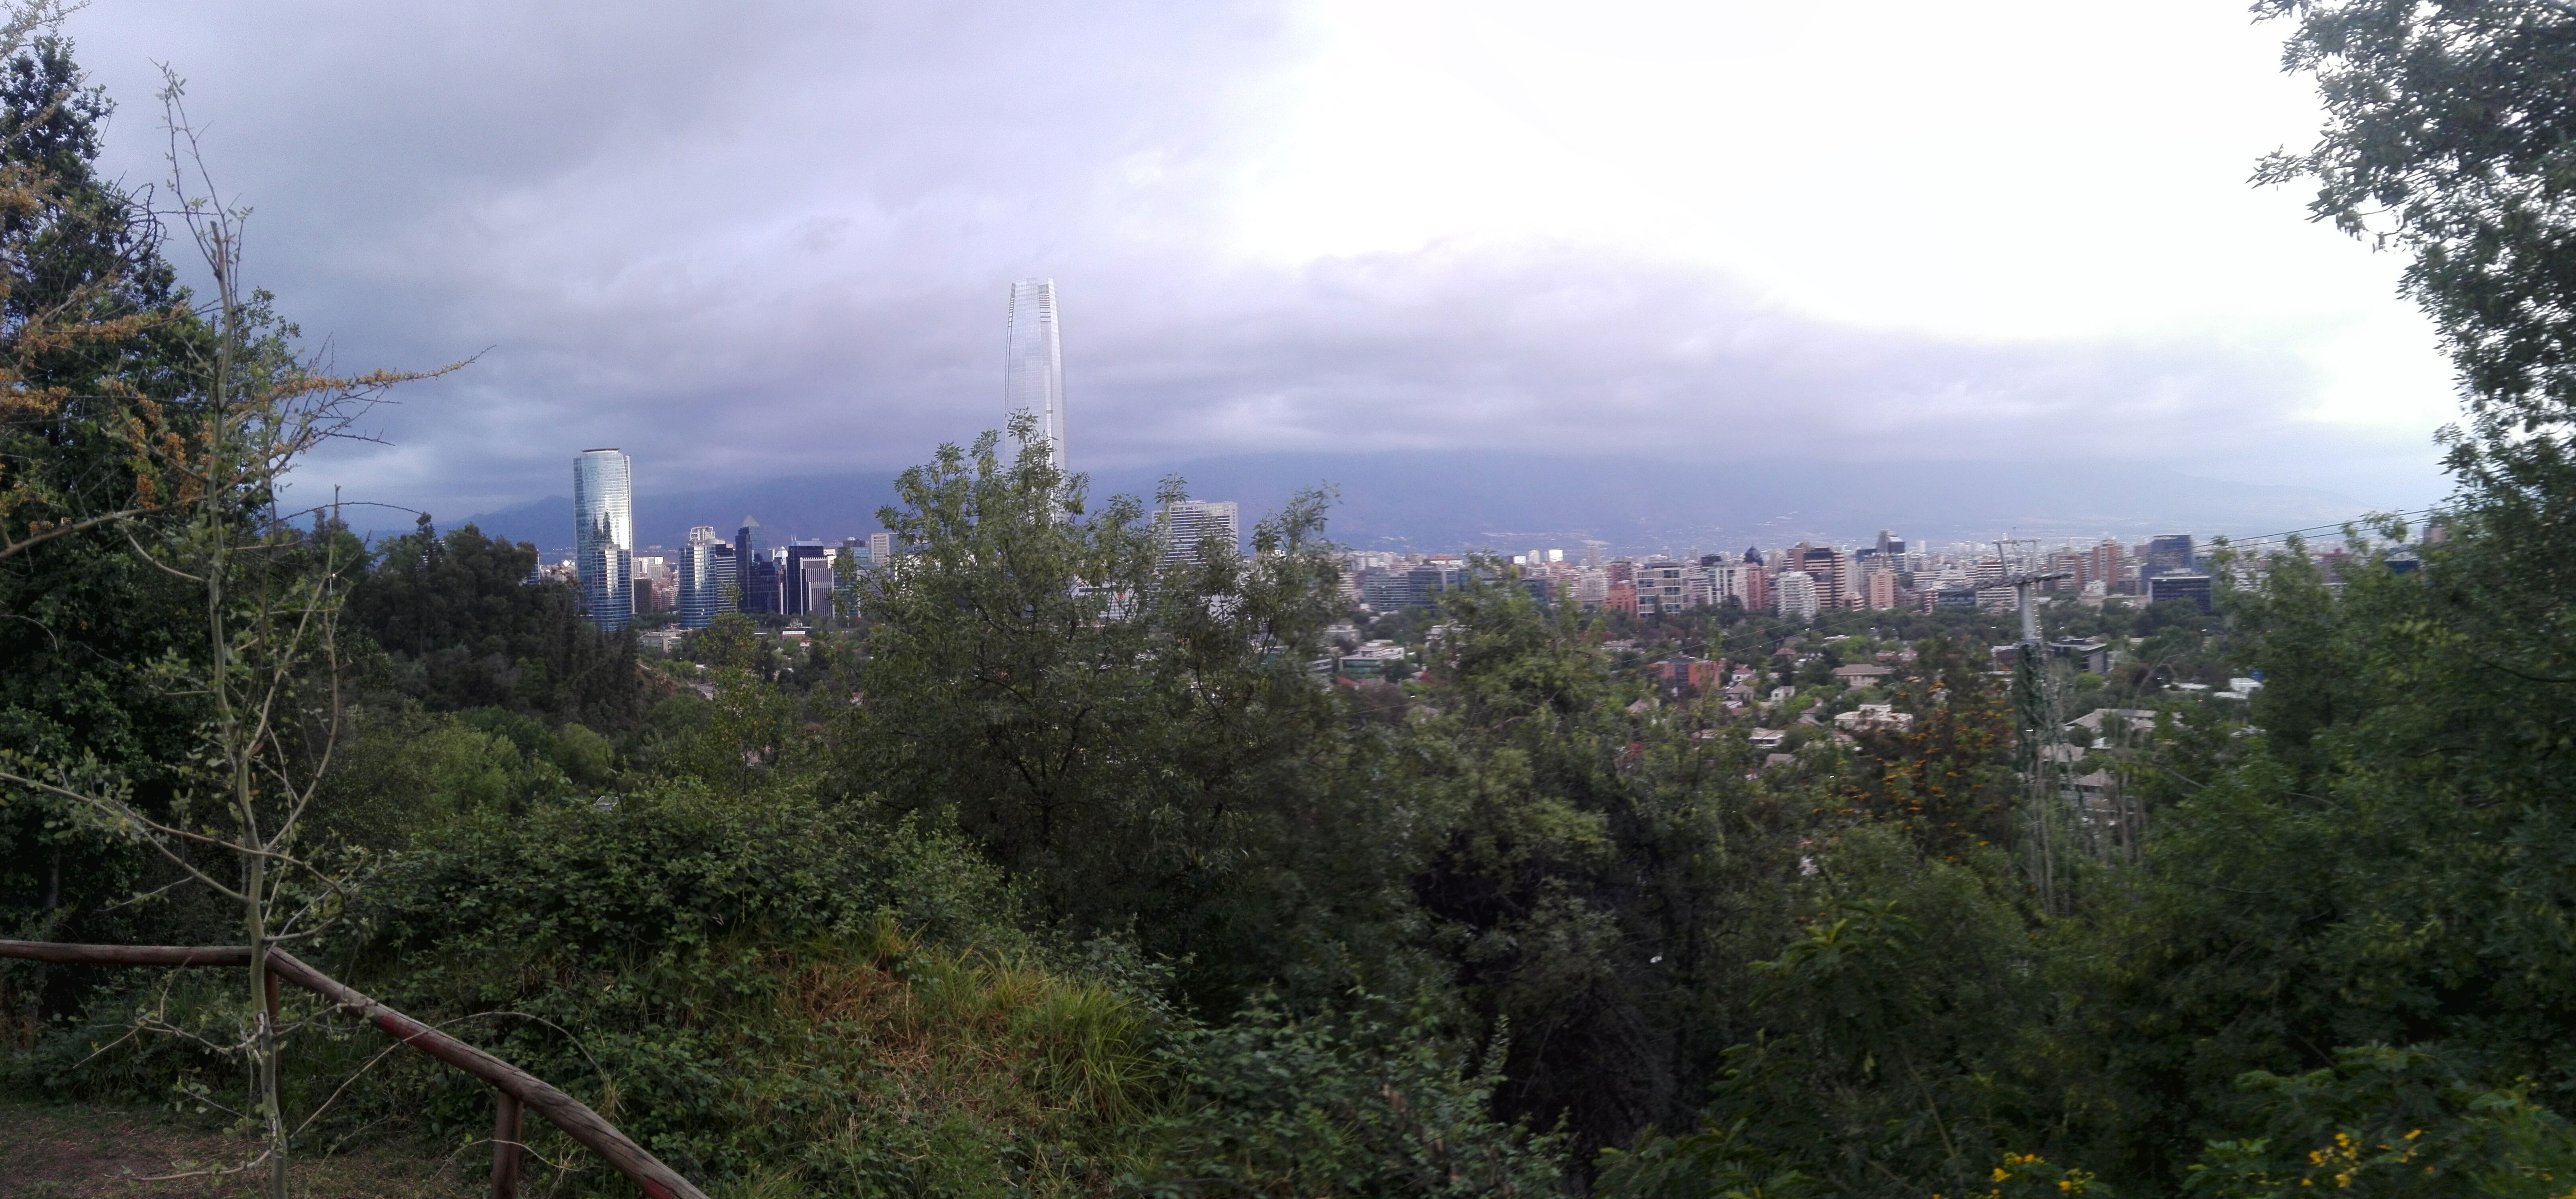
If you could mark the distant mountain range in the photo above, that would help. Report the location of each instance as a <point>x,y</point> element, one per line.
<point>1428,502</point>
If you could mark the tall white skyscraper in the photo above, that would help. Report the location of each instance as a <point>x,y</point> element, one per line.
<point>1189,523</point>
<point>603,510</point>
<point>1033,363</point>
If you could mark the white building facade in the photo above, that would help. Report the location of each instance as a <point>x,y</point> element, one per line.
<point>1795,592</point>
<point>1033,364</point>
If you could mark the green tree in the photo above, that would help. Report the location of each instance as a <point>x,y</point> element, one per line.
<point>1132,736</point>
<point>96,346</point>
<point>467,629</point>
<point>1592,880</point>
<point>264,680</point>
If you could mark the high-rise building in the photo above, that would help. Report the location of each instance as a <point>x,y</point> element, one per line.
<point>880,549</point>
<point>1830,569</point>
<point>1882,591</point>
<point>1796,590</point>
<point>1188,524</point>
<point>1661,586</point>
<point>2172,552</point>
<point>1591,587</point>
<point>655,583</point>
<point>705,568</point>
<point>755,573</point>
<point>603,513</point>
<point>2192,587</point>
<point>1033,364</point>
<point>2105,564</point>
<point>794,594</point>
<point>1423,584</point>
<point>816,581</point>
<point>1725,579</point>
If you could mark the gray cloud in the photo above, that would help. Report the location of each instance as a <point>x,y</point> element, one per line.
<point>776,242</point>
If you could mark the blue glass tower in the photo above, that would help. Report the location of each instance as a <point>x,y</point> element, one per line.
<point>754,572</point>
<point>603,512</point>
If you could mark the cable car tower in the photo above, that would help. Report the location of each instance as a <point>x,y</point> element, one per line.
<point>2039,729</point>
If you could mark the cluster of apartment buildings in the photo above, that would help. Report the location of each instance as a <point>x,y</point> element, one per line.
<point>1804,579</point>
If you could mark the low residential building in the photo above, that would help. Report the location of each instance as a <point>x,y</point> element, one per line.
<point>2102,723</point>
<point>1875,717</point>
<point>2239,689</point>
<point>2086,653</point>
<point>1861,674</point>
<point>1372,660</point>
<point>2098,793</point>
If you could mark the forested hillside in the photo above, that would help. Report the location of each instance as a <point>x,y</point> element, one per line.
<point>1056,869</point>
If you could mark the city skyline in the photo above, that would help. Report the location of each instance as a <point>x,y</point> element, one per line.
<point>810,577</point>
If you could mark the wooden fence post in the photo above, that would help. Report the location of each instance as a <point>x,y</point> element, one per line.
<point>505,1145</point>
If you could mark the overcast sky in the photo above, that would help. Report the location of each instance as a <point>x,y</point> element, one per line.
<point>776,238</point>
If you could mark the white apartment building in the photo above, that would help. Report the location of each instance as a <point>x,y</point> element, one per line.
<point>1795,593</point>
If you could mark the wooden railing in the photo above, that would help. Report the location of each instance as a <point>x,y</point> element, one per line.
<point>516,1089</point>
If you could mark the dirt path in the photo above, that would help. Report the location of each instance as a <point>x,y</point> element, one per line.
<point>81,1151</point>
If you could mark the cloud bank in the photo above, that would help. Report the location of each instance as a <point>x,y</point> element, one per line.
<point>776,243</point>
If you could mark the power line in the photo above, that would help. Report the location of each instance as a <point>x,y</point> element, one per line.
<point>2336,527</point>
<point>2266,538</point>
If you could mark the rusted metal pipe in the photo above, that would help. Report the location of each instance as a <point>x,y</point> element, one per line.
<point>563,1111</point>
